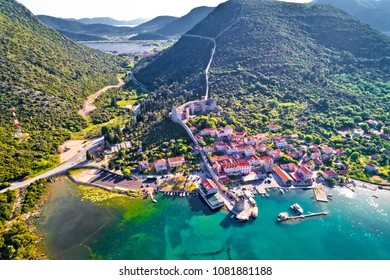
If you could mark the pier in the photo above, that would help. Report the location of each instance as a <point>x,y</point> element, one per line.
<point>320,194</point>
<point>285,217</point>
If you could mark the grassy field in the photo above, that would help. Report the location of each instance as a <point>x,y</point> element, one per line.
<point>95,130</point>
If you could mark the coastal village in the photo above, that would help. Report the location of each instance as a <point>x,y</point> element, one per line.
<point>243,165</point>
<point>236,166</point>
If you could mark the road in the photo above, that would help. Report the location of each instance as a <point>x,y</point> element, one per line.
<point>138,83</point>
<point>77,160</point>
<point>88,105</point>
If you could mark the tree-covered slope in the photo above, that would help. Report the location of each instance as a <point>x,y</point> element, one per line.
<point>111,21</point>
<point>313,69</point>
<point>373,12</point>
<point>185,23</point>
<point>155,23</point>
<point>77,30</point>
<point>99,30</point>
<point>46,77</point>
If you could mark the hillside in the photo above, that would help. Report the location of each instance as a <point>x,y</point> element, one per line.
<point>111,21</point>
<point>76,28</point>
<point>373,12</point>
<point>46,77</point>
<point>185,23</point>
<point>310,69</point>
<point>79,31</point>
<point>156,23</point>
<point>81,37</point>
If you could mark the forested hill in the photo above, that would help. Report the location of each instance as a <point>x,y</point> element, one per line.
<point>46,77</point>
<point>111,21</point>
<point>70,27</point>
<point>373,12</point>
<point>327,63</point>
<point>185,23</point>
<point>155,23</point>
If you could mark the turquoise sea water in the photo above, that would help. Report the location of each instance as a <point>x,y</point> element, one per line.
<point>357,227</point>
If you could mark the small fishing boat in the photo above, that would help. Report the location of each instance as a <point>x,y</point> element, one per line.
<point>297,208</point>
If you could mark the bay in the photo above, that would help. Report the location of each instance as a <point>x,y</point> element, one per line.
<point>357,227</point>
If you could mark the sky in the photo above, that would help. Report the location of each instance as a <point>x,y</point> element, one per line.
<point>118,9</point>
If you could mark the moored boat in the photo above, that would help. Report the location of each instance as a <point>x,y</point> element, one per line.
<point>255,212</point>
<point>242,218</point>
<point>297,209</point>
<point>282,216</point>
<point>252,201</point>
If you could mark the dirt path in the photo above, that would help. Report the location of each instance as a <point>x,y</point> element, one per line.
<point>88,105</point>
<point>69,149</point>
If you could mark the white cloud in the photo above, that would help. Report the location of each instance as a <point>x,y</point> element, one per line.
<point>297,1</point>
<point>119,9</point>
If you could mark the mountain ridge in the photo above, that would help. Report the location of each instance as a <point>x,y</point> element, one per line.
<point>156,23</point>
<point>376,13</point>
<point>324,67</point>
<point>158,28</point>
<point>111,21</point>
<point>186,22</point>
<point>46,77</point>
<point>74,27</point>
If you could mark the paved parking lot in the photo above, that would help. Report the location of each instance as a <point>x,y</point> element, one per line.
<point>111,180</point>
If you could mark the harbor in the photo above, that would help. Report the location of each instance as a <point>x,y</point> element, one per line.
<point>180,227</point>
<point>320,194</point>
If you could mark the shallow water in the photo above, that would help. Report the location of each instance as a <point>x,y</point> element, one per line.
<point>120,48</point>
<point>357,227</point>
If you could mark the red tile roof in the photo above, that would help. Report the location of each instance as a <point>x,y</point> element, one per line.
<point>273,126</point>
<point>219,158</point>
<point>209,184</point>
<point>327,149</point>
<point>331,173</point>
<point>305,170</point>
<point>266,158</point>
<point>243,162</point>
<point>224,179</point>
<point>160,161</point>
<point>282,174</point>
<point>176,159</point>
<point>209,130</point>
<point>289,166</point>
<point>254,157</point>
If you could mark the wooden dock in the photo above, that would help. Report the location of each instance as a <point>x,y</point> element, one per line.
<point>320,194</point>
<point>301,217</point>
